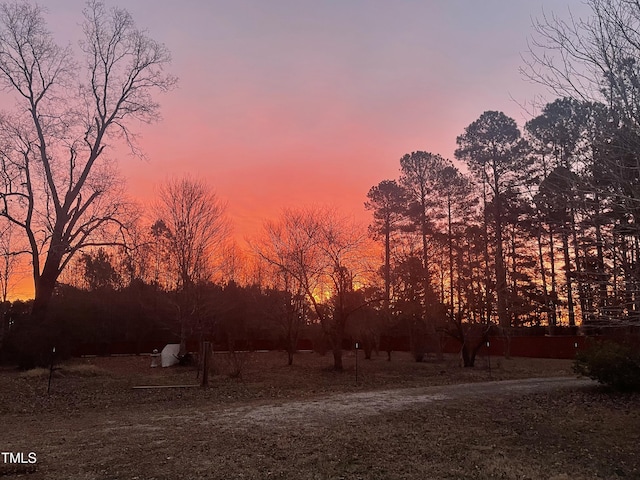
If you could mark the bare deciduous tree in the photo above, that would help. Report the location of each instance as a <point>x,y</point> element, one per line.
<point>58,185</point>
<point>194,218</point>
<point>593,58</point>
<point>326,257</point>
<point>194,221</point>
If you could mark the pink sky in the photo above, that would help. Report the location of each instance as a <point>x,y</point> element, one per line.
<point>293,102</point>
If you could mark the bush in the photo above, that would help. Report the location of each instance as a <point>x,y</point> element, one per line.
<point>611,364</point>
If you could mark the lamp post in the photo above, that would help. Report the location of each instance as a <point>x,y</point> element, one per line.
<point>53,353</point>
<point>357,346</point>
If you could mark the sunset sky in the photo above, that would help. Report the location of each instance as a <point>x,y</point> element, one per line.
<point>289,102</point>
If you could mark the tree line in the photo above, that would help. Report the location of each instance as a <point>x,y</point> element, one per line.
<point>538,230</point>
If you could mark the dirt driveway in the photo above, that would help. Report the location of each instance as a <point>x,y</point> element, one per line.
<point>374,435</point>
<point>335,408</point>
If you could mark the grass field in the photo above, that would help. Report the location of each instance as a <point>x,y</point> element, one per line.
<point>95,425</point>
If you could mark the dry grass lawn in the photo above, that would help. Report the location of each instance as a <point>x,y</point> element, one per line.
<point>94,425</point>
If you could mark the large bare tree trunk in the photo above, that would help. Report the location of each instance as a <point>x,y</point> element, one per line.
<point>337,359</point>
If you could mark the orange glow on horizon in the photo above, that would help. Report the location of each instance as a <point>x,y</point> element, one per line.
<point>287,107</point>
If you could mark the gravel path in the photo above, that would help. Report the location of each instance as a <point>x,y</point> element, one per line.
<point>336,408</point>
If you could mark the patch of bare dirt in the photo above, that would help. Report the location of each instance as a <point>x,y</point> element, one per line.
<point>336,408</point>
<point>308,423</point>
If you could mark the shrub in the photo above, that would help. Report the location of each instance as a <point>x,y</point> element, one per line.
<point>612,364</point>
<point>236,362</point>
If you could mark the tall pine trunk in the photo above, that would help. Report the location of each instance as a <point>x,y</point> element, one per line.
<point>543,276</point>
<point>501,274</point>
<point>568,274</point>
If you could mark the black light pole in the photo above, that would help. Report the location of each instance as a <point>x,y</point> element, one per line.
<point>53,353</point>
<point>357,345</point>
<point>489,357</point>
